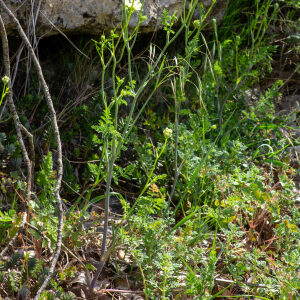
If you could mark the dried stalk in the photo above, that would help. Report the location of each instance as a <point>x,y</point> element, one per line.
<point>58,142</point>
<point>31,148</point>
<point>18,126</point>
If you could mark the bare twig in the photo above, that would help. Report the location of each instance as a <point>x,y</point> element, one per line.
<point>18,127</point>
<point>20,50</point>
<point>58,142</point>
<point>105,291</point>
<point>12,107</point>
<point>31,147</point>
<point>65,36</point>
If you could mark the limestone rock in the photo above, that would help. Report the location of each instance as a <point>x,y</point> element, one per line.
<point>94,16</point>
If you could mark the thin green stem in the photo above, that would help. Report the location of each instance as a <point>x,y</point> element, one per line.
<point>153,67</point>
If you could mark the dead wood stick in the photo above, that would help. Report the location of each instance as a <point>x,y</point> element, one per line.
<point>58,142</point>
<point>18,127</point>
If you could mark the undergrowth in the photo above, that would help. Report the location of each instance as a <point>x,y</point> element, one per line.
<point>188,148</point>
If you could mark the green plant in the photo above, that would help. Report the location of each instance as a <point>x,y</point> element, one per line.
<point>180,136</point>
<point>113,140</point>
<point>9,222</point>
<point>5,88</point>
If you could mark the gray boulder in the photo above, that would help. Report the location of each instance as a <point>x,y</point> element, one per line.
<point>94,16</point>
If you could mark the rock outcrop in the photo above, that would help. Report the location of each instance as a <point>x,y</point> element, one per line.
<point>93,16</point>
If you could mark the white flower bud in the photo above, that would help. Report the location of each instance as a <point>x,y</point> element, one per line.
<point>5,79</point>
<point>136,5</point>
<point>196,23</point>
<point>167,133</point>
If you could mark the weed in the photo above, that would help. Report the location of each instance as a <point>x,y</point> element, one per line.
<point>189,141</point>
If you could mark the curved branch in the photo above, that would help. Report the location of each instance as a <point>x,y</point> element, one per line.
<point>58,142</point>
<point>18,126</point>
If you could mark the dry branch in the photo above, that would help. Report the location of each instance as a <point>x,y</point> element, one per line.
<point>58,142</point>
<point>18,126</point>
